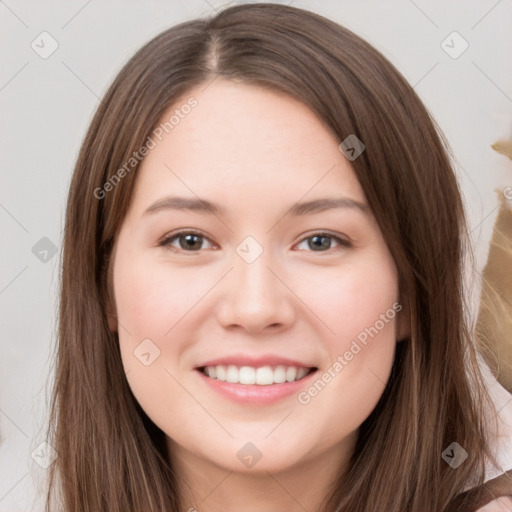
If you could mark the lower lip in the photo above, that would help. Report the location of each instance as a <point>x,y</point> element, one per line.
<point>252,393</point>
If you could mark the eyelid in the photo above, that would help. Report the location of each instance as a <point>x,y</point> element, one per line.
<point>167,238</point>
<point>343,240</point>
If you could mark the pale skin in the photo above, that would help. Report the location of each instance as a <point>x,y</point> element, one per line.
<point>256,153</point>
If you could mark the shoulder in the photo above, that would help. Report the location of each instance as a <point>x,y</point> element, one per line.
<point>502,504</point>
<point>494,495</point>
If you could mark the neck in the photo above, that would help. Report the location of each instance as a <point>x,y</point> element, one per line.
<point>207,487</point>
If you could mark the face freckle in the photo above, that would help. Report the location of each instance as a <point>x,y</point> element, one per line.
<point>265,282</point>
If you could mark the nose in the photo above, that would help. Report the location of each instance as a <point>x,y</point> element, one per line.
<point>255,297</point>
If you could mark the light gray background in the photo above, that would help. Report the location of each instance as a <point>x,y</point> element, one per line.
<point>47,104</point>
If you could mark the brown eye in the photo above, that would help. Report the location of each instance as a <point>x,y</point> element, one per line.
<point>187,241</point>
<point>191,241</point>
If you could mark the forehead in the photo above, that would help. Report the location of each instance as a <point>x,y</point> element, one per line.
<point>242,140</point>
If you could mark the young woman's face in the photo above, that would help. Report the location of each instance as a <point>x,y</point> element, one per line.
<point>257,292</point>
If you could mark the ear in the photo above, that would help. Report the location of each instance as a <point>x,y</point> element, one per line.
<point>403,322</point>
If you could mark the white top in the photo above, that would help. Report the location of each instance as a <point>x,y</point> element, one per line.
<point>502,437</point>
<point>503,504</point>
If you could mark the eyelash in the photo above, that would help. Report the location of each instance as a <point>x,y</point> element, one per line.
<point>166,241</point>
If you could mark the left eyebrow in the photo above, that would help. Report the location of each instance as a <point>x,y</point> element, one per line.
<point>328,203</point>
<point>303,208</point>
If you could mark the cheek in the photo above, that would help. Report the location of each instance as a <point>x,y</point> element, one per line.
<point>360,306</point>
<point>151,299</point>
<point>153,306</point>
<point>354,299</point>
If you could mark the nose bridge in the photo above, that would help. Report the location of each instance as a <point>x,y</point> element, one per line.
<point>253,281</point>
<point>254,278</point>
<point>254,297</point>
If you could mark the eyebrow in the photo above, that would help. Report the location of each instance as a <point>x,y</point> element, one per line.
<point>302,208</point>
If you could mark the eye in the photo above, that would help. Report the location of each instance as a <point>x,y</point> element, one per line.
<point>192,241</point>
<point>320,241</point>
<point>188,241</point>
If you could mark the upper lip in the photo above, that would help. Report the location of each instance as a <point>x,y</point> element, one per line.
<point>254,361</point>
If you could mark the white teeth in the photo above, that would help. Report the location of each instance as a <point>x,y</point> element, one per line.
<point>280,375</point>
<point>220,373</point>
<point>291,373</point>
<point>232,374</point>
<point>247,375</point>
<point>301,372</point>
<point>263,376</point>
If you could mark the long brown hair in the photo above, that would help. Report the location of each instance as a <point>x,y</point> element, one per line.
<point>110,454</point>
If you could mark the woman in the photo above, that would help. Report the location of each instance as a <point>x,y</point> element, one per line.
<point>260,371</point>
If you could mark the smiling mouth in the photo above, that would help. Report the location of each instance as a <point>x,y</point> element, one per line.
<point>249,375</point>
